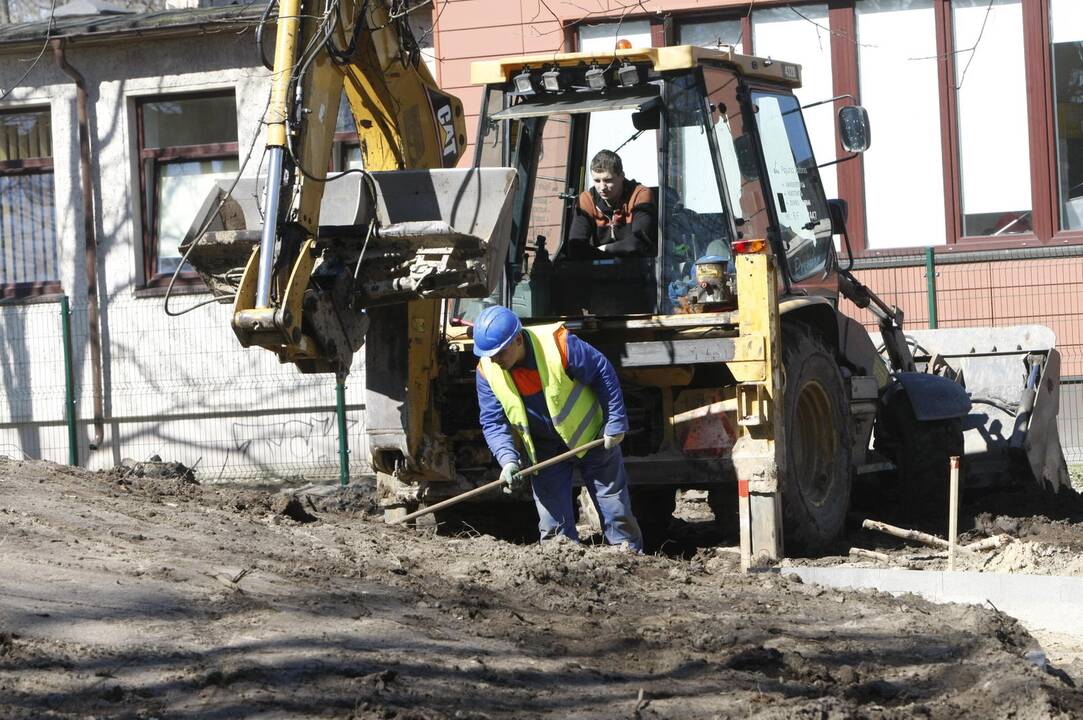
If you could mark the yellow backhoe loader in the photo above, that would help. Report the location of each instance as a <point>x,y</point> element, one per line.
<point>740,372</point>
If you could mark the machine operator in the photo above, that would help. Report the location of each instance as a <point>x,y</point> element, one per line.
<point>616,216</point>
<point>554,392</point>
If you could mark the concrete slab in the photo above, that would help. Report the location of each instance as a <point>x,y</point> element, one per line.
<point>1049,603</point>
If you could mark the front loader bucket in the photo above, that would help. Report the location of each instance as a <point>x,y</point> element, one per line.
<point>1012,375</point>
<point>438,233</point>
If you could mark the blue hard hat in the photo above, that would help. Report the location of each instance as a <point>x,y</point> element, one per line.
<point>495,327</point>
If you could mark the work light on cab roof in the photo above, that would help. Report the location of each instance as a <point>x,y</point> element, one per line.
<point>524,83</point>
<point>551,80</point>
<point>596,77</point>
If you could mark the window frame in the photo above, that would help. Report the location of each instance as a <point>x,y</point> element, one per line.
<point>32,166</point>
<point>148,160</point>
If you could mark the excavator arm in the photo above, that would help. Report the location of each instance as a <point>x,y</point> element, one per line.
<point>304,264</point>
<point>403,121</point>
<point>322,262</point>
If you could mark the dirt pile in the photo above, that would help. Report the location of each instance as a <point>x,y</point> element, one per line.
<point>140,597</point>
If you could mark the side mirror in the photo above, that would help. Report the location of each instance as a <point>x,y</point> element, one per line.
<point>854,130</point>
<point>840,213</point>
<point>648,119</point>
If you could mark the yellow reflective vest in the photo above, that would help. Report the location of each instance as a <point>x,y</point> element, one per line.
<point>573,407</point>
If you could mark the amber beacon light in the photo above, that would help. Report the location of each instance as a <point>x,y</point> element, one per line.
<point>748,247</point>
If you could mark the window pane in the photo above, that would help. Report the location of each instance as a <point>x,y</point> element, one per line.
<point>1067,26</point>
<point>547,211</point>
<point>353,158</point>
<point>737,149</point>
<point>694,225</point>
<point>344,122</point>
<point>805,39</point>
<point>904,174</point>
<point>25,135</point>
<point>604,36</point>
<point>795,185</point>
<point>182,186</point>
<point>710,33</point>
<point>27,229</point>
<point>191,121</point>
<point>990,83</point>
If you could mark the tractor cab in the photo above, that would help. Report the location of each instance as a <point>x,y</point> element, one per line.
<point>718,140</point>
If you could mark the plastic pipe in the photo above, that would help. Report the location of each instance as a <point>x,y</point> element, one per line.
<point>343,441</point>
<point>930,285</point>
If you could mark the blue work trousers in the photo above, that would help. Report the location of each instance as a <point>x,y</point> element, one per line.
<point>606,481</point>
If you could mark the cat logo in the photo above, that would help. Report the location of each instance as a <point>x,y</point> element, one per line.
<point>441,105</point>
<point>444,116</point>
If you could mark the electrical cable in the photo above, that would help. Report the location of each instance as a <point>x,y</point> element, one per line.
<point>259,34</point>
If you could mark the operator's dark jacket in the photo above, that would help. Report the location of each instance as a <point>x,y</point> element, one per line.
<point>628,229</point>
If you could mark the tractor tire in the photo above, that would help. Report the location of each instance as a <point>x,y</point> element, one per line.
<point>922,454</point>
<point>817,478</point>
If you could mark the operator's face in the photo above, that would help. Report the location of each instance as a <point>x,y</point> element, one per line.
<point>608,185</point>
<point>512,353</point>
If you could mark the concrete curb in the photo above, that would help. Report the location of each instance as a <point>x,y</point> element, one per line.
<point>1052,603</point>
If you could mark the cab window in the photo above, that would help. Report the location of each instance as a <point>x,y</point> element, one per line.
<point>796,191</point>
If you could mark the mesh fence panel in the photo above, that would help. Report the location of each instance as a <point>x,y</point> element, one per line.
<point>179,388</point>
<point>998,289</point>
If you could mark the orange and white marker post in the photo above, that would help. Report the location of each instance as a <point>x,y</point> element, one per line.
<point>953,511</point>
<point>744,512</point>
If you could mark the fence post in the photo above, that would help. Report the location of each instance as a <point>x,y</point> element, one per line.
<point>69,382</point>
<point>343,441</point>
<point>930,285</point>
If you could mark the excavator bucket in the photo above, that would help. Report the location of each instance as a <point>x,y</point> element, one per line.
<point>406,235</point>
<point>1012,375</point>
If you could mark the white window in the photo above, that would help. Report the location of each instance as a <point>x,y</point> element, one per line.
<point>904,173</point>
<point>994,149</point>
<point>1066,19</point>
<point>711,33</point>
<point>187,143</point>
<point>28,249</point>
<point>800,34</point>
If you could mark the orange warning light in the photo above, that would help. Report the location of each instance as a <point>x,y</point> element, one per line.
<point>624,44</point>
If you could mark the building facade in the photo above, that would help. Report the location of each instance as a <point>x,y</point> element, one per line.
<point>173,101</point>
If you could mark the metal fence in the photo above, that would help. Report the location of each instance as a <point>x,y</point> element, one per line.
<point>180,388</point>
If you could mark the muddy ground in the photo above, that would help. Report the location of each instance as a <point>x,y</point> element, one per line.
<point>141,597</point>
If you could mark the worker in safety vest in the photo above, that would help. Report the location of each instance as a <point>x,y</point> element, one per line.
<point>554,392</point>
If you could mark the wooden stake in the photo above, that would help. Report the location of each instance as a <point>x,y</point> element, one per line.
<point>870,554</point>
<point>744,511</point>
<point>990,543</point>
<point>953,512</point>
<point>915,535</point>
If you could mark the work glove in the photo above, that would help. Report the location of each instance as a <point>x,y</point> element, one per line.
<point>512,482</point>
<point>612,441</point>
